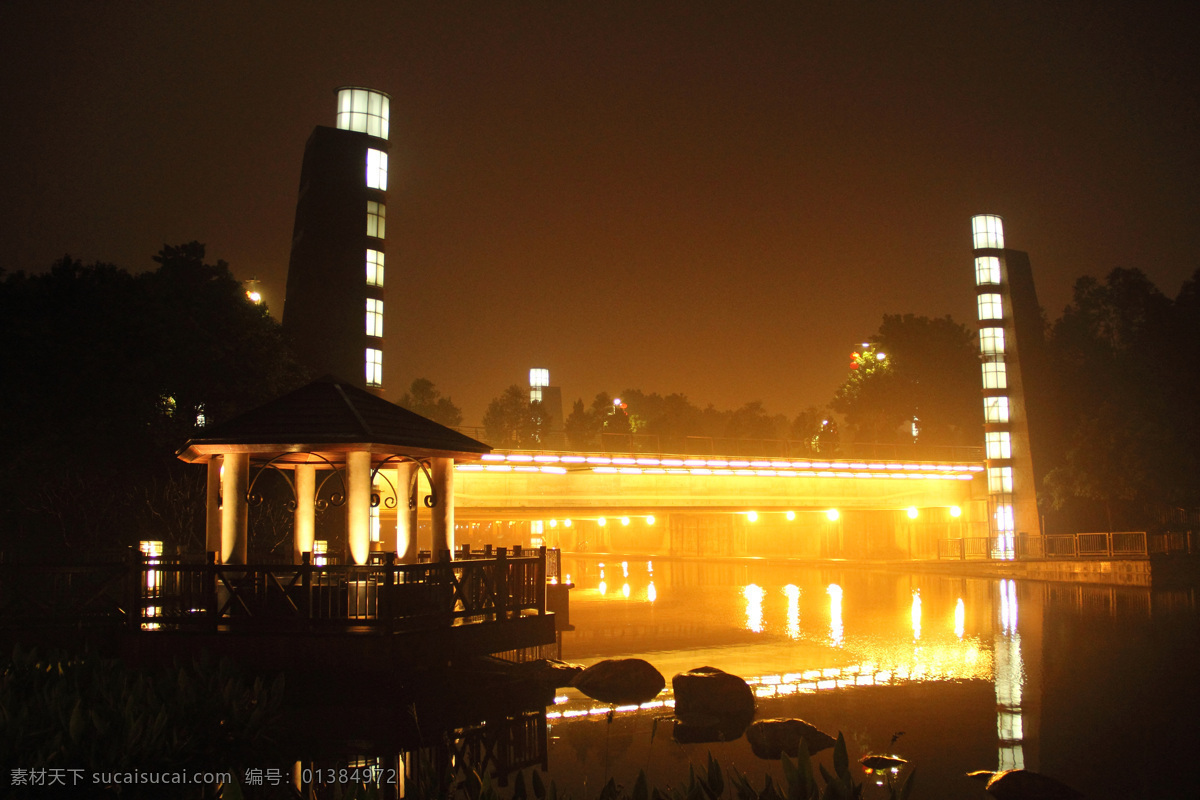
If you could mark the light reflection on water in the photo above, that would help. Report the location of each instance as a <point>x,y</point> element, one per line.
<point>949,660</point>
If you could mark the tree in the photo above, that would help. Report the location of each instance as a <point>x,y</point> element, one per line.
<point>511,420</point>
<point>424,399</point>
<point>914,367</point>
<point>106,374</point>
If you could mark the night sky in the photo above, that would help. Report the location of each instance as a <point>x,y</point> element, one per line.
<point>718,199</point>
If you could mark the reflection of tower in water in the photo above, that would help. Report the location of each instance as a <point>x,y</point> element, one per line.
<point>1009,681</point>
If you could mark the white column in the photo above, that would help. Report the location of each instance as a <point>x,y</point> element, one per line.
<point>358,505</point>
<point>306,514</point>
<point>406,516</point>
<point>443,512</point>
<point>212,508</point>
<point>234,512</point>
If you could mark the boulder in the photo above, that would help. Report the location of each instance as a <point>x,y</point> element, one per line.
<point>709,698</point>
<point>771,738</point>
<point>621,681</point>
<point>549,672</point>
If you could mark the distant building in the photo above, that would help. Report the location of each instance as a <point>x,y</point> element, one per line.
<point>1009,318</point>
<point>333,315</point>
<point>540,391</point>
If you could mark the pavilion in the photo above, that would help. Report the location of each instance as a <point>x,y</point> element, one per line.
<point>352,440</point>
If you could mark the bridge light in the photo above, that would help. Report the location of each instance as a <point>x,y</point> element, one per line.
<point>752,516</point>
<point>624,520</point>
<point>955,511</point>
<point>912,512</point>
<point>791,515</point>
<point>602,522</point>
<point>650,520</point>
<point>567,523</point>
<point>832,515</point>
<point>553,523</point>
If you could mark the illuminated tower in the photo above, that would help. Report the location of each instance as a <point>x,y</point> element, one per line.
<point>540,391</point>
<point>333,315</point>
<point>1008,315</point>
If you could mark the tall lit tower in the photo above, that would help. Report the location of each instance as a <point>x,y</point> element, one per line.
<point>333,315</point>
<point>1008,314</point>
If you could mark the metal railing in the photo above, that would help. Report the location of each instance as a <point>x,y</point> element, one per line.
<point>1119,544</point>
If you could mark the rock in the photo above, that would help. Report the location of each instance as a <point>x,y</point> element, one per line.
<point>882,763</point>
<point>707,697</point>
<point>1023,784</point>
<point>621,681</point>
<point>771,738</point>
<point>549,672</point>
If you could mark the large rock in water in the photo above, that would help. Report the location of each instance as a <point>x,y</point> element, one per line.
<point>771,738</point>
<point>621,681</point>
<point>711,705</point>
<point>548,672</point>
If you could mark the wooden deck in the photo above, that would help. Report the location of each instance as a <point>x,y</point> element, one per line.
<point>275,615</point>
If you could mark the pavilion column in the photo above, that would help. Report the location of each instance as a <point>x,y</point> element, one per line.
<point>235,478</point>
<point>212,508</point>
<point>406,512</point>
<point>443,512</point>
<point>306,514</point>
<point>358,504</point>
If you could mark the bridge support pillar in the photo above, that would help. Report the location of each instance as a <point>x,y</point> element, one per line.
<point>234,512</point>
<point>443,511</point>
<point>306,498</point>
<point>358,505</point>
<point>406,512</point>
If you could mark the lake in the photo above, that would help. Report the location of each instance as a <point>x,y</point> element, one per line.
<point>1096,686</point>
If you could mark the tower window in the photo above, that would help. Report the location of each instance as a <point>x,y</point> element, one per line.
<point>995,409</point>
<point>376,219</point>
<point>374,268</point>
<point>991,341</point>
<point>987,271</point>
<point>377,169</point>
<point>988,230</point>
<point>990,307</point>
<point>1004,518</point>
<point>998,444</point>
<point>374,317</point>
<point>1000,480</point>
<point>364,111</point>
<point>374,367</point>
<point>994,375</point>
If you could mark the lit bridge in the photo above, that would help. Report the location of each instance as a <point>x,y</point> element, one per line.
<point>706,505</point>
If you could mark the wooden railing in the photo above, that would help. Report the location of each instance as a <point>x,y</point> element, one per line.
<point>149,594</point>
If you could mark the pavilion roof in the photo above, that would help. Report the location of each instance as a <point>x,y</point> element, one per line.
<point>331,416</point>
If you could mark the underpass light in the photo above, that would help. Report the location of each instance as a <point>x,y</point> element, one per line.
<point>832,515</point>
<point>912,512</point>
<point>955,511</point>
<point>791,515</point>
<point>752,516</point>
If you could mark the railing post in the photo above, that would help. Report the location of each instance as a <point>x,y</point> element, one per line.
<point>209,572</point>
<point>133,590</point>
<point>306,583</point>
<point>502,600</point>
<point>540,581</point>
<point>384,600</point>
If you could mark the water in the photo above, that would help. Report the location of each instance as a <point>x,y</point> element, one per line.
<point>1096,686</point>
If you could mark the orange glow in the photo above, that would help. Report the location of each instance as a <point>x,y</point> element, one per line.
<point>791,515</point>
<point>911,512</point>
<point>752,516</point>
<point>832,515</point>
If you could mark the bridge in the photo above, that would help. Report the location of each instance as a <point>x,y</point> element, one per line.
<point>672,504</point>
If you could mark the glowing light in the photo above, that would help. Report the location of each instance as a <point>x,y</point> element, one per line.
<point>836,629</point>
<point>625,590</point>
<point>754,610</point>
<point>603,587</point>
<point>881,356</point>
<point>625,568</point>
<point>752,516</point>
<point>254,297</point>
<point>651,592</point>
<point>955,511</point>
<point>960,618</point>
<point>791,515</point>
<point>793,610</point>
<point>916,614</point>
<point>832,515</point>
<point>624,520</point>
<point>553,523</point>
<point>567,523</point>
<point>911,512</point>
<point>602,522</point>
<point>616,401</point>
<point>650,520</point>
